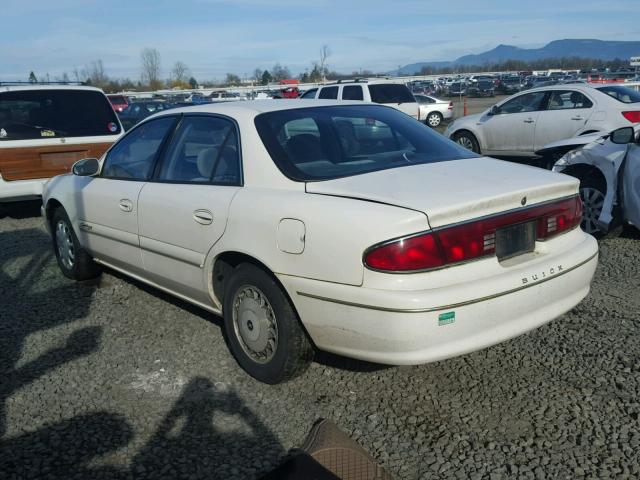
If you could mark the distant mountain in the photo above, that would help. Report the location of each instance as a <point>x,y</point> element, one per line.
<point>586,48</point>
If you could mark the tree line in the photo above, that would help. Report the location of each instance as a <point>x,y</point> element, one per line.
<point>180,75</point>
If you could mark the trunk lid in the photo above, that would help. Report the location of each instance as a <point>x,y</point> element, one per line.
<point>454,191</point>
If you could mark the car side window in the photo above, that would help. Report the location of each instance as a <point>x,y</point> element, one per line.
<point>567,99</point>
<point>529,102</point>
<point>132,158</point>
<point>204,149</point>
<point>330,93</point>
<point>310,93</point>
<point>352,92</point>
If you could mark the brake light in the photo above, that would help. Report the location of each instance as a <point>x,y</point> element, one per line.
<point>471,240</point>
<point>633,117</point>
<point>450,105</point>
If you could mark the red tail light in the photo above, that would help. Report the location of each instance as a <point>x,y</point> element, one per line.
<point>471,240</point>
<point>450,106</point>
<point>633,117</point>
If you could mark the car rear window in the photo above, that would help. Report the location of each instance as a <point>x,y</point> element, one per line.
<point>620,93</point>
<point>117,99</point>
<point>390,93</point>
<point>31,114</point>
<point>321,143</point>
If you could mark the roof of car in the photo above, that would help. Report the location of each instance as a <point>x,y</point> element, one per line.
<point>254,107</point>
<point>15,88</point>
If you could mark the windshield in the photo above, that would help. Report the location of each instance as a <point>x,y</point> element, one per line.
<point>31,114</point>
<point>117,99</point>
<point>321,143</point>
<point>620,93</point>
<point>485,84</point>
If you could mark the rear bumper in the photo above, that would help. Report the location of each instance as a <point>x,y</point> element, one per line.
<point>18,190</point>
<point>414,327</point>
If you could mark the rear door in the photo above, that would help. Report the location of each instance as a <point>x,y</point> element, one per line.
<point>567,113</point>
<point>512,129</point>
<point>44,131</point>
<point>107,207</point>
<point>183,210</point>
<point>395,95</point>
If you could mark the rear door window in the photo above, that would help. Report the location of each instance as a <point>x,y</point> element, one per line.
<point>329,93</point>
<point>390,93</point>
<point>352,92</point>
<point>36,114</point>
<point>566,99</point>
<point>203,150</point>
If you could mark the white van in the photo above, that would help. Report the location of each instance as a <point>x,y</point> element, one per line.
<point>386,92</point>
<point>44,129</point>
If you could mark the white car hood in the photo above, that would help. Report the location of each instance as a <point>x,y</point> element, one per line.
<point>453,191</point>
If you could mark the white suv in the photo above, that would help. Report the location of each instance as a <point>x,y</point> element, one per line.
<point>386,92</point>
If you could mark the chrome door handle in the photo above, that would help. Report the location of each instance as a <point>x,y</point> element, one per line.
<point>529,120</point>
<point>203,217</point>
<point>126,205</point>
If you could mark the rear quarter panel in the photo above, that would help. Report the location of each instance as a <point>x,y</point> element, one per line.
<point>337,232</point>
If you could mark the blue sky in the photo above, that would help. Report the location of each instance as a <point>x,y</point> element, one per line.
<point>214,37</point>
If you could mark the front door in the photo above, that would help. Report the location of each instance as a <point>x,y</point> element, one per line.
<point>184,208</point>
<point>512,128</point>
<point>107,206</point>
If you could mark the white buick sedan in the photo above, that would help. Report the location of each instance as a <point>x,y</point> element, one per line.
<point>350,228</point>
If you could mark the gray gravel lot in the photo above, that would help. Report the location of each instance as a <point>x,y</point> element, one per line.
<point>115,380</point>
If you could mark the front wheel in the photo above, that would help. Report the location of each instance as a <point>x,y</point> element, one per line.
<point>467,140</point>
<point>434,119</point>
<point>73,260</point>
<point>592,193</point>
<point>262,328</point>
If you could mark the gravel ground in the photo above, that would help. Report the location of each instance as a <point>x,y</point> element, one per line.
<point>115,380</point>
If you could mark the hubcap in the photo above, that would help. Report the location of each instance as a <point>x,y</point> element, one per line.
<point>592,201</point>
<point>434,120</point>
<point>466,143</point>
<point>254,324</point>
<point>64,244</point>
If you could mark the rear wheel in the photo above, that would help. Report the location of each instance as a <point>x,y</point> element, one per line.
<point>467,140</point>
<point>74,261</point>
<point>262,328</point>
<point>434,119</point>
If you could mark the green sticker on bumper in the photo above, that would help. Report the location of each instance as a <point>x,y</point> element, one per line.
<point>446,318</point>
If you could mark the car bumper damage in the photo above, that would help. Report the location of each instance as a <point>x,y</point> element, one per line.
<point>413,327</point>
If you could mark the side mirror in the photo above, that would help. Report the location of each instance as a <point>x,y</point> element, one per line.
<point>495,110</point>
<point>86,167</point>
<point>623,135</point>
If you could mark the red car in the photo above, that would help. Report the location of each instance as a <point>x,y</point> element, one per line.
<point>119,102</point>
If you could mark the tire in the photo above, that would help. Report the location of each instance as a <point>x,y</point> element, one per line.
<point>262,328</point>
<point>434,119</point>
<point>592,193</point>
<point>74,261</point>
<point>467,140</point>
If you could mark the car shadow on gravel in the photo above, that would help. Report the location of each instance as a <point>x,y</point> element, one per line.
<point>30,308</point>
<point>207,434</point>
<point>20,210</point>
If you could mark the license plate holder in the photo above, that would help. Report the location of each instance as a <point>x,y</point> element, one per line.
<point>515,240</point>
